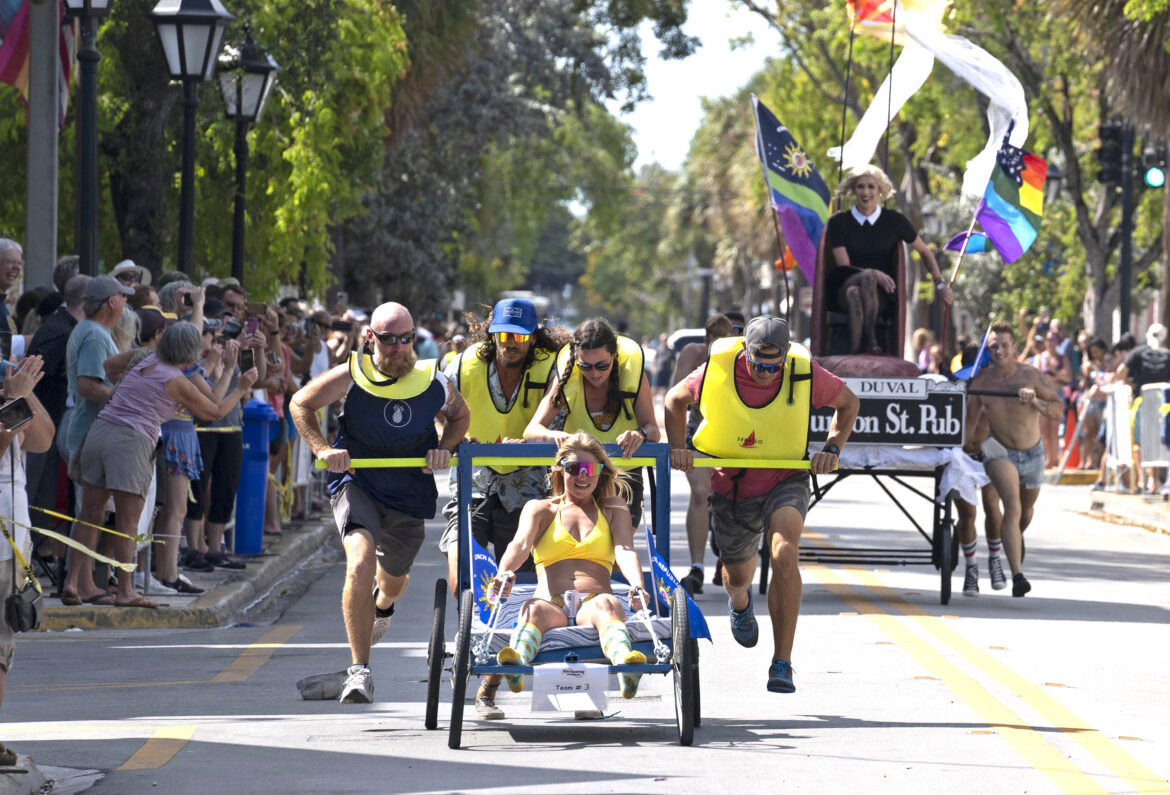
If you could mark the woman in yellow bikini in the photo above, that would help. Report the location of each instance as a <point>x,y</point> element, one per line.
<point>575,539</point>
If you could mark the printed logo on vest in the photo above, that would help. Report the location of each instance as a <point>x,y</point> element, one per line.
<point>750,440</point>
<point>397,413</point>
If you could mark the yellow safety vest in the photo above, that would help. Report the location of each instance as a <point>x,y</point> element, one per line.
<point>732,429</point>
<point>370,379</point>
<point>488,423</point>
<point>629,364</point>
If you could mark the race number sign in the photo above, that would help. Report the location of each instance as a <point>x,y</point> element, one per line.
<point>568,687</point>
<point>900,412</point>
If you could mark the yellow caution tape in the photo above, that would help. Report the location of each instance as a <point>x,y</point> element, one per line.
<point>136,539</point>
<point>82,548</point>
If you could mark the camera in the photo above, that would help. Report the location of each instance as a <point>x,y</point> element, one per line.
<point>231,327</point>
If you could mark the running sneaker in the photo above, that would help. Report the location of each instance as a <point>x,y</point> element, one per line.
<point>486,709</point>
<point>971,581</point>
<point>381,620</point>
<point>197,561</point>
<point>693,582</point>
<point>156,586</point>
<point>780,677</point>
<point>1020,584</point>
<point>744,628</point>
<point>359,685</point>
<point>629,682</point>
<point>995,569</point>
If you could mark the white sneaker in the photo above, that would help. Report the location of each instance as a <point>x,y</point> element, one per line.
<point>971,581</point>
<point>995,569</point>
<point>359,686</point>
<point>156,587</point>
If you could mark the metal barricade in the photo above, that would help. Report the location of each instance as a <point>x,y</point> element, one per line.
<point>1118,435</point>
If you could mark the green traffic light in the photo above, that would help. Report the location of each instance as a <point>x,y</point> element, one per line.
<point>1154,177</point>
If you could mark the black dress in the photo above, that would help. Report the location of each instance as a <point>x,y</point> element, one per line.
<point>871,246</point>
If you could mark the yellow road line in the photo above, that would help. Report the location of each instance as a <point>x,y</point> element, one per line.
<point>161,748</point>
<point>256,655</point>
<point>1022,738</point>
<point>1140,777</point>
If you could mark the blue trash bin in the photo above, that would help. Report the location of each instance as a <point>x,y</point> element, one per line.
<point>259,419</point>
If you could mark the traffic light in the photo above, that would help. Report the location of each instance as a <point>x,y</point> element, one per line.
<point>1109,153</point>
<point>1154,165</point>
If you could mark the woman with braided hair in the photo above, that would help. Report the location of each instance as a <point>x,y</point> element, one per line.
<point>599,388</point>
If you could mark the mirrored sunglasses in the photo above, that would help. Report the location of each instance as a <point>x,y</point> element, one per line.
<point>589,469</point>
<point>508,336</point>
<point>405,338</point>
<point>600,367</point>
<point>765,368</point>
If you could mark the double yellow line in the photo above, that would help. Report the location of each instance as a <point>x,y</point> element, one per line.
<point>1024,739</point>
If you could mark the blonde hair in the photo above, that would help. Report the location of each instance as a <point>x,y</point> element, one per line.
<point>125,331</point>
<point>885,187</point>
<point>611,482</point>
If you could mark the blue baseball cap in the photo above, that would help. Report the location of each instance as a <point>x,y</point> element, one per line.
<point>516,315</point>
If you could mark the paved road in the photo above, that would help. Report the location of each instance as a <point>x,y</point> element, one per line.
<point>1063,691</point>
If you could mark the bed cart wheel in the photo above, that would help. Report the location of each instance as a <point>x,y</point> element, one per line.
<point>459,668</point>
<point>946,561</point>
<point>683,667</point>
<point>954,548</point>
<point>435,653</point>
<point>695,672</point>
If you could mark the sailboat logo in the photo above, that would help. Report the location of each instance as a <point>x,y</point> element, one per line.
<point>750,441</point>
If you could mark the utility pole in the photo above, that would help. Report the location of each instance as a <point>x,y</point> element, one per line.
<point>1125,266</point>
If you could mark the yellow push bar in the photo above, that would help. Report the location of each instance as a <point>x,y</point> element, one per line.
<point>527,461</point>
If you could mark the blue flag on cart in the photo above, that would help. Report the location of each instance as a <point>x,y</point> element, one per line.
<point>982,359</point>
<point>483,571</point>
<point>664,585</point>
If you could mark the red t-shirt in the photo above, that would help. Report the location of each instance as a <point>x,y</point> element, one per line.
<point>825,389</point>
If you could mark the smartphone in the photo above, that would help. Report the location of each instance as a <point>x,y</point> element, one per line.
<point>15,413</point>
<point>6,345</point>
<point>247,359</point>
<point>187,300</point>
<point>253,325</point>
<point>342,325</point>
<point>257,308</point>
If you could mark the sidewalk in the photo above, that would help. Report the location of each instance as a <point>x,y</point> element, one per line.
<point>1150,511</point>
<point>226,592</point>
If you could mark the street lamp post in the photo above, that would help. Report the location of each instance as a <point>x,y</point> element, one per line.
<point>191,32</point>
<point>245,82</point>
<point>88,11</point>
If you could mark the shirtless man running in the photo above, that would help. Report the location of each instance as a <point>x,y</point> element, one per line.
<point>1013,452</point>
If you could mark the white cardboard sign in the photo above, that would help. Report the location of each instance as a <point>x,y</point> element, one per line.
<point>568,687</point>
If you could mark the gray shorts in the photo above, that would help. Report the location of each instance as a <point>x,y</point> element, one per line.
<point>740,525</point>
<point>492,526</point>
<point>397,537</point>
<point>117,458</point>
<point>1028,463</point>
<point>7,639</point>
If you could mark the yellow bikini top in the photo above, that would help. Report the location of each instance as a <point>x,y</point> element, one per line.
<point>557,544</point>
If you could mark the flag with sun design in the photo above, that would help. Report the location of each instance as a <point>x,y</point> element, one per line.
<point>483,571</point>
<point>798,193</point>
<point>664,584</point>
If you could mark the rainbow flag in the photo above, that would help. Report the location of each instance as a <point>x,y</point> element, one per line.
<point>795,188</point>
<point>1012,206</point>
<point>14,44</point>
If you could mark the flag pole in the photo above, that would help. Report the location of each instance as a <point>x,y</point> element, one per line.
<point>951,282</point>
<point>772,209</point>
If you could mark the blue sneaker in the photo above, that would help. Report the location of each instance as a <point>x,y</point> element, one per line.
<point>780,677</point>
<point>744,628</point>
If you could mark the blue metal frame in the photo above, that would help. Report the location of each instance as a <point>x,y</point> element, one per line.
<point>467,452</point>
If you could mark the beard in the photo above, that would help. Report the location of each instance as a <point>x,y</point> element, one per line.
<point>395,368</point>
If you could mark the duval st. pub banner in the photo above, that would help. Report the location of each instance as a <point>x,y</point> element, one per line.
<point>901,412</point>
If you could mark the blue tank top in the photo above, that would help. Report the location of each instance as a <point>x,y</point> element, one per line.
<point>379,427</point>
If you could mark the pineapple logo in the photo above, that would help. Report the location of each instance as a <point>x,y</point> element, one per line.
<point>397,413</point>
<point>749,441</point>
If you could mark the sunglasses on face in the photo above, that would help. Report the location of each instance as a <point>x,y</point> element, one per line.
<point>765,368</point>
<point>600,367</point>
<point>128,278</point>
<point>573,469</point>
<point>737,331</point>
<point>393,339</point>
<point>508,336</point>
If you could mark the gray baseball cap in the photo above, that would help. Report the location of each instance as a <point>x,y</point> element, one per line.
<point>766,332</point>
<point>106,286</point>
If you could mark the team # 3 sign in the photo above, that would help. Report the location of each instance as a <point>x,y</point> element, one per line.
<point>901,411</point>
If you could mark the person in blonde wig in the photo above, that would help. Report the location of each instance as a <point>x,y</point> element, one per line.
<point>864,241</point>
<point>576,537</point>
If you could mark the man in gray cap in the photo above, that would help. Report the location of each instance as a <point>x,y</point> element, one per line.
<point>756,394</point>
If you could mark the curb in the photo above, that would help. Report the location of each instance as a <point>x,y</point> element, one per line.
<point>216,608</point>
<point>1132,510</point>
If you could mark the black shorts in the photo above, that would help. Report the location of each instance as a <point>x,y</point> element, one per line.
<point>491,524</point>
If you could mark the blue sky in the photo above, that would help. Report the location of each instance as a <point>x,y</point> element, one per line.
<point>663,127</point>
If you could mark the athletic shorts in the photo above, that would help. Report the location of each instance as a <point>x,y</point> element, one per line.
<point>116,457</point>
<point>491,524</point>
<point>739,525</point>
<point>397,537</point>
<point>1028,463</point>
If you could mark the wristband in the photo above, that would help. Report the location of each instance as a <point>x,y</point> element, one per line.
<point>939,283</point>
<point>832,449</point>
<point>642,431</point>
